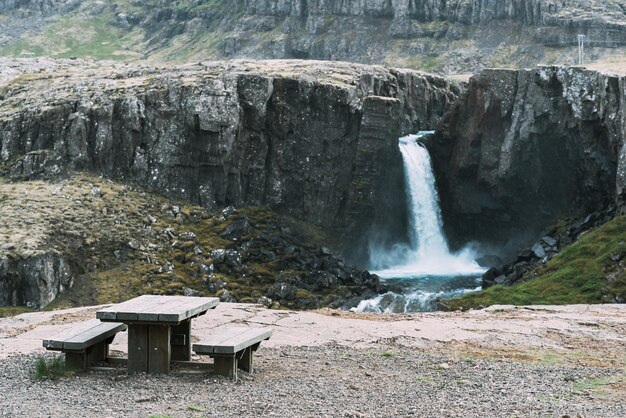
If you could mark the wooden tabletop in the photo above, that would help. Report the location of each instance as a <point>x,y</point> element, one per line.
<point>157,309</point>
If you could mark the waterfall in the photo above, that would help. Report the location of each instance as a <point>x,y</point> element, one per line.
<point>426,228</point>
<point>425,264</point>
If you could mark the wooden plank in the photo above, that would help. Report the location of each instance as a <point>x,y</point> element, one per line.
<point>154,308</point>
<point>53,345</point>
<point>186,307</point>
<point>137,348</point>
<point>93,335</point>
<point>245,339</point>
<point>84,332</point>
<point>232,340</point>
<point>218,337</point>
<point>56,343</point>
<point>203,305</point>
<point>132,309</point>
<point>159,354</point>
<point>166,304</point>
<point>126,309</point>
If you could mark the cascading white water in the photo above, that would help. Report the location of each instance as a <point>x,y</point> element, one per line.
<point>426,259</point>
<point>426,232</point>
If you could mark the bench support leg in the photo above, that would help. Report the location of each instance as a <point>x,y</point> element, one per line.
<point>245,363</point>
<point>225,366</point>
<point>98,352</point>
<point>76,361</point>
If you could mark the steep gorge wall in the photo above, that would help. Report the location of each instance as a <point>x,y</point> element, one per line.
<point>313,140</point>
<point>524,149</point>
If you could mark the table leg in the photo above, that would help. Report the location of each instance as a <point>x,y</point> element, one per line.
<point>159,356</point>
<point>137,348</point>
<point>181,341</point>
<point>148,348</point>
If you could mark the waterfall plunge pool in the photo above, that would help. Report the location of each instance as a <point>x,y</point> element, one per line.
<point>422,270</point>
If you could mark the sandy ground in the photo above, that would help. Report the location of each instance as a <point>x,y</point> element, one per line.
<point>598,331</point>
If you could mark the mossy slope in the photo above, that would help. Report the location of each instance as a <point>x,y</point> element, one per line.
<point>589,271</point>
<point>123,241</point>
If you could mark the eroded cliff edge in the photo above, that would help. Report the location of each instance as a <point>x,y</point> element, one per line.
<point>522,150</point>
<point>314,140</point>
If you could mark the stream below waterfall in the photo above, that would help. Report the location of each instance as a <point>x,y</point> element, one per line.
<point>423,269</point>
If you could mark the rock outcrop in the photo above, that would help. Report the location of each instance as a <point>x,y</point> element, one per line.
<point>524,149</point>
<point>33,281</point>
<point>309,139</point>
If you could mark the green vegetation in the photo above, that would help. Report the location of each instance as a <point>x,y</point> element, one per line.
<point>93,38</point>
<point>603,387</point>
<point>50,368</point>
<point>584,272</point>
<point>7,311</point>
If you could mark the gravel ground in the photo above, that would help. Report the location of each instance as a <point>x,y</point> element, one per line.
<point>328,380</point>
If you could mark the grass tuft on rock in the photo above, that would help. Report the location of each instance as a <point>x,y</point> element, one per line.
<point>589,271</point>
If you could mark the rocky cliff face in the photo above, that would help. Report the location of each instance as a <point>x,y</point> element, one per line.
<point>450,36</point>
<point>524,149</point>
<point>33,281</point>
<point>313,140</point>
<point>437,35</point>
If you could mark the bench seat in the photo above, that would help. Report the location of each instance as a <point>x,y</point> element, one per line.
<point>232,348</point>
<point>87,345</point>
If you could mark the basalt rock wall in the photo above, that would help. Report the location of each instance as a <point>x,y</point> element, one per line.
<point>522,150</point>
<point>313,140</point>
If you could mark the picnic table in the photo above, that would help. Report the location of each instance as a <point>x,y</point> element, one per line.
<point>159,328</point>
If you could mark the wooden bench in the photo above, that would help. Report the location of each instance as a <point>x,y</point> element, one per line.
<point>232,348</point>
<point>86,346</point>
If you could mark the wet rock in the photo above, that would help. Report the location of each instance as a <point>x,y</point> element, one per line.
<point>549,241</point>
<point>538,250</point>
<point>490,261</point>
<point>489,277</point>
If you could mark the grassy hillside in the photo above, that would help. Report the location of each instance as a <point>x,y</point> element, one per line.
<point>589,271</point>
